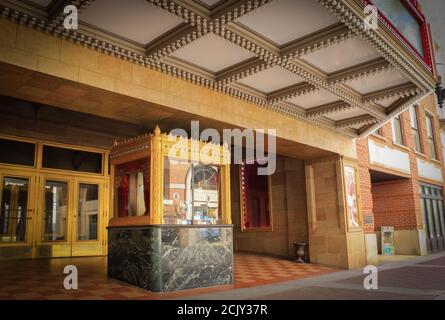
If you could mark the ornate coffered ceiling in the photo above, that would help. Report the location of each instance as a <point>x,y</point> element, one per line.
<point>308,59</point>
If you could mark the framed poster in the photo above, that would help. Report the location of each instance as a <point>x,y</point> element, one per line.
<point>352,205</point>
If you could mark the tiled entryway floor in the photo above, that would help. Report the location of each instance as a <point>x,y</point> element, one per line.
<point>43,279</point>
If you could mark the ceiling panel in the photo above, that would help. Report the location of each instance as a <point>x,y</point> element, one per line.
<point>212,53</point>
<point>314,99</point>
<point>42,3</point>
<point>333,58</point>
<point>283,21</point>
<point>271,79</point>
<point>385,103</point>
<point>379,81</point>
<point>346,114</point>
<point>357,126</point>
<point>136,20</point>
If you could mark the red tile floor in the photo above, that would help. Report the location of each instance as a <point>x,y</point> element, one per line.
<point>43,279</point>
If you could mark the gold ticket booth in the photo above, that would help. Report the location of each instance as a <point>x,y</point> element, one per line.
<point>171,227</point>
<point>54,199</point>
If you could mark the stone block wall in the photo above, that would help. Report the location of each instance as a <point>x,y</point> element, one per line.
<point>330,241</point>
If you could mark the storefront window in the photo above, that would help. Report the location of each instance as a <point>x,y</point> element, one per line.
<point>433,215</point>
<point>255,201</point>
<point>132,188</point>
<point>191,193</point>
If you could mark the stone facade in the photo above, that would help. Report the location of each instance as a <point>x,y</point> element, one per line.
<point>53,71</point>
<point>307,206</point>
<point>85,77</point>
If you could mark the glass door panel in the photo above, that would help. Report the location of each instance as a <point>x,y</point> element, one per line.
<point>437,224</point>
<point>442,221</point>
<point>426,223</point>
<point>14,209</point>
<point>17,198</point>
<point>87,212</point>
<point>431,225</point>
<point>88,216</point>
<point>55,214</point>
<point>442,218</point>
<point>71,217</point>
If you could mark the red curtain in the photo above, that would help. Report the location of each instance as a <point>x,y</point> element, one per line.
<point>122,191</point>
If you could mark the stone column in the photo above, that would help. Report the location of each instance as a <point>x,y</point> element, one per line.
<point>330,240</point>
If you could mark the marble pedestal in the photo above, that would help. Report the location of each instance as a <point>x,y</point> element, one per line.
<point>163,258</point>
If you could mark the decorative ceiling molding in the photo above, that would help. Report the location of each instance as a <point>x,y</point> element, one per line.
<point>328,108</point>
<point>170,42</point>
<point>354,20</point>
<point>403,90</point>
<point>252,91</point>
<point>398,103</point>
<point>56,15</point>
<point>253,37</point>
<point>220,20</point>
<point>316,41</point>
<point>363,70</point>
<point>200,22</point>
<point>298,113</point>
<point>241,70</point>
<point>396,111</point>
<point>390,29</point>
<point>344,94</point>
<point>291,92</point>
<point>192,69</point>
<point>360,120</point>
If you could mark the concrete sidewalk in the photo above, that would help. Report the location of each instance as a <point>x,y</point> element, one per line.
<point>419,278</point>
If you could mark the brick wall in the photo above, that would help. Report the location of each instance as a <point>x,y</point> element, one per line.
<point>397,202</point>
<point>394,205</point>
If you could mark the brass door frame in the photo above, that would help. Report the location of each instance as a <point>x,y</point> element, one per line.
<point>71,247</point>
<point>89,247</point>
<point>36,175</point>
<point>62,248</point>
<point>31,176</point>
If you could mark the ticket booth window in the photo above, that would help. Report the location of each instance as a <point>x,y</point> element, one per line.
<point>158,181</point>
<point>132,188</point>
<point>191,193</point>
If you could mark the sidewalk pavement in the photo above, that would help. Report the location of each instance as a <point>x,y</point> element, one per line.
<point>421,278</point>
